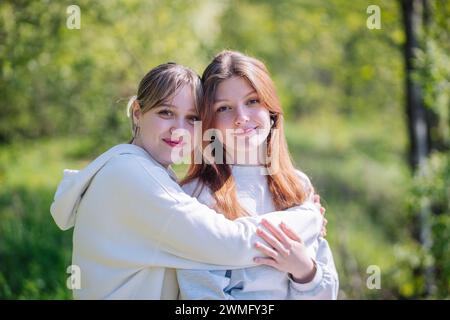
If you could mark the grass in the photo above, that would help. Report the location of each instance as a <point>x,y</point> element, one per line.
<point>34,253</point>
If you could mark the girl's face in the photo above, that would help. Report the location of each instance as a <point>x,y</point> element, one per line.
<point>244,123</point>
<point>158,124</point>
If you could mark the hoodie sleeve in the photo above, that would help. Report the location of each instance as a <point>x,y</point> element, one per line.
<point>140,208</point>
<point>309,189</point>
<point>325,285</point>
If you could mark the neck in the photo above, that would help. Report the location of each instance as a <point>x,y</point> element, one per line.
<point>137,143</point>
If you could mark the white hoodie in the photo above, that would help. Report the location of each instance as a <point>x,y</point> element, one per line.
<point>134,225</point>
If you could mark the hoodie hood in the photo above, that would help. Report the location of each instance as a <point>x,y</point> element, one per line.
<point>75,182</point>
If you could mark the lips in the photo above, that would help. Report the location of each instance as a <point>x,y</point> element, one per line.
<point>173,143</point>
<point>244,131</point>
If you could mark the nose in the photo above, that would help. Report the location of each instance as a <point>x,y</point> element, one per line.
<point>241,116</point>
<point>178,124</point>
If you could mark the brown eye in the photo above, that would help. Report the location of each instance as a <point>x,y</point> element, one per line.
<point>222,109</point>
<point>193,119</point>
<point>166,112</point>
<point>252,101</point>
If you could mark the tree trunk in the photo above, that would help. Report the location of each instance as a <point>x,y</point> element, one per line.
<point>417,118</point>
<point>417,122</point>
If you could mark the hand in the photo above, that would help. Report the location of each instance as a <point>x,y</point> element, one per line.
<point>286,252</point>
<point>323,232</point>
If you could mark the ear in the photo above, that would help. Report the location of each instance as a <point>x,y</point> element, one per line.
<point>136,112</point>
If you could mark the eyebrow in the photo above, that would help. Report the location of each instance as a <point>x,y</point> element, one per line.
<point>248,94</point>
<point>168,105</point>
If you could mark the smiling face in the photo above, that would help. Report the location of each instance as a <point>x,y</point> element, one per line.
<point>241,118</point>
<point>159,123</point>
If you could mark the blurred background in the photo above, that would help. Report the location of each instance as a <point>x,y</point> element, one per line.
<point>367,112</point>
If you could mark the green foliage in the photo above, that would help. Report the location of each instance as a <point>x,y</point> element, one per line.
<point>63,95</point>
<point>34,253</point>
<point>58,81</point>
<point>321,47</point>
<point>364,191</point>
<point>432,187</point>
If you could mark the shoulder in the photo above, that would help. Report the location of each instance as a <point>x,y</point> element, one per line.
<point>130,165</point>
<point>305,181</point>
<point>192,187</point>
<point>137,174</point>
<point>197,189</point>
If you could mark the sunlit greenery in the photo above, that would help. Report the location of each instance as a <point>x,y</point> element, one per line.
<point>63,95</point>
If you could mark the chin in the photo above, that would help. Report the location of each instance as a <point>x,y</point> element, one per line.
<point>164,160</point>
<point>166,163</point>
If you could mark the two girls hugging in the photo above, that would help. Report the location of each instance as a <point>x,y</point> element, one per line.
<point>238,226</point>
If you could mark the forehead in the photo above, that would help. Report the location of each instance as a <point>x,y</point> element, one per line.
<point>234,87</point>
<point>182,99</point>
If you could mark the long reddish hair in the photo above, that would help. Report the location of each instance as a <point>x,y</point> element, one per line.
<point>284,183</point>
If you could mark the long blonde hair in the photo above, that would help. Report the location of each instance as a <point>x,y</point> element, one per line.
<point>284,184</point>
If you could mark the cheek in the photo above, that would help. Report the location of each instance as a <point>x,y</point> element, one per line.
<point>263,117</point>
<point>154,127</point>
<point>191,134</point>
<point>191,130</point>
<point>222,123</point>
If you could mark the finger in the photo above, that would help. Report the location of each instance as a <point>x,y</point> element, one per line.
<point>276,245</point>
<point>277,233</point>
<point>322,210</point>
<point>323,232</point>
<point>266,250</point>
<point>316,198</point>
<point>266,261</point>
<point>318,206</point>
<point>291,233</point>
<point>325,221</point>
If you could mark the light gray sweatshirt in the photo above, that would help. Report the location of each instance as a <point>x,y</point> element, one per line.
<point>260,282</point>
